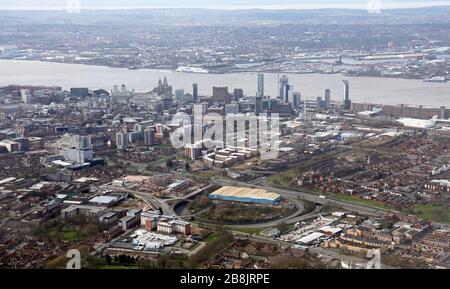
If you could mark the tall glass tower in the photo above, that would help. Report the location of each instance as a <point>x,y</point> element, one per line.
<point>347,101</point>
<point>261,85</point>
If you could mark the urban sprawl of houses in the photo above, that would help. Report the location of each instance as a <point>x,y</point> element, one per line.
<point>95,170</point>
<point>216,41</point>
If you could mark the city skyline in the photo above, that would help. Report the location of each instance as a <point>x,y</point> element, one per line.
<point>225,139</point>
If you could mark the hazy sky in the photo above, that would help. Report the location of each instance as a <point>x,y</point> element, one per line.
<point>219,3</point>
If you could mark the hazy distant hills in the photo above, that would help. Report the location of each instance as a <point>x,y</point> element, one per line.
<point>430,15</point>
<point>184,3</point>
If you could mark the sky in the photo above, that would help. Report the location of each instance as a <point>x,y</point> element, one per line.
<point>232,4</point>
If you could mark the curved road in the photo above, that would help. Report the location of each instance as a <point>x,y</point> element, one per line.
<point>289,194</point>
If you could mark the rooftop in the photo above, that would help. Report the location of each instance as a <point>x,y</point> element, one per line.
<point>242,192</point>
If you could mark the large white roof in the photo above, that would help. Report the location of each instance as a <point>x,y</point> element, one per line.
<point>103,199</point>
<point>310,237</point>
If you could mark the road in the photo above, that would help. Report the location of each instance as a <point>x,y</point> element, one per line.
<point>294,196</point>
<point>318,250</point>
<point>151,200</point>
<point>293,218</point>
<point>289,194</point>
<point>190,195</point>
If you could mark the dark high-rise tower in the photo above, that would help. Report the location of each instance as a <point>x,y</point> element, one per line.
<point>347,101</point>
<point>327,98</point>
<point>260,85</point>
<point>287,89</point>
<point>283,82</point>
<point>195,92</point>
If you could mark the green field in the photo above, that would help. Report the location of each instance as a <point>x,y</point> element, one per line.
<point>370,203</point>
<point>70,236</point>
<point>283,179</point>
<point>212,237</point>
<point>249,231</point>
<point>436,213</point>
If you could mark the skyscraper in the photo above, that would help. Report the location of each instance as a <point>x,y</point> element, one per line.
<point>327,98</point>
<point>347,101</point>
<point>179,94</point>
<point>260,85</point>
<point>284,81</point>
<point>296,99</point>
<point>319,102</point>
<point>195,92</point>
<point>258,104</point>
<point>285,95</point>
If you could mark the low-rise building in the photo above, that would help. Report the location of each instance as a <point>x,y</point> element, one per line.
<point>181,227</point>
<point>128,222</point>
<point>165,228</point>
<point>109,218</point>
<point>87,211</point>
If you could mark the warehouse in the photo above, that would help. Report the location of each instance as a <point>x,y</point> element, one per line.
<point>104,201</point>
<point>245,195</point>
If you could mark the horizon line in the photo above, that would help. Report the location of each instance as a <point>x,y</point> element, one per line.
<point>343,6</point>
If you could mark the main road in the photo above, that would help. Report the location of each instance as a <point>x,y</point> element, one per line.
<point>329,253</point>
<point>290,194</point>
<point>151,200</point>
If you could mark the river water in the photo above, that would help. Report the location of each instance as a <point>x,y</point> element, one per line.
<point>362,89</point>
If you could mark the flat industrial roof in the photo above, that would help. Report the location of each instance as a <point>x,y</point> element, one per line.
<point>311,237</point>
<point>103,199</point>
<point>242,192</point>
<point>7,180</point>
<point>135,179</point>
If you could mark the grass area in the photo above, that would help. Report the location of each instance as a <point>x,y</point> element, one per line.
<point>239,213</point>
<point>249,231</point>
<point>437,213</point>
<point>77,231</point>
<point>212,237</point>
<point>70,236</point>
<point>65,234</point>
<point>370,203</point>
<point>222,240</point>
<point>283,179</point>
<point>203,176</point>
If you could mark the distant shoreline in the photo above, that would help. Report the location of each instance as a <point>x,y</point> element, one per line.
<point>217,73</point>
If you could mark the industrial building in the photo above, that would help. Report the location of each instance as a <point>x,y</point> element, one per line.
<point>128,222</point>
<point>105,201</point>
<point>164,224</point>
<point>165,228</point>
<point>11,146</point>
<point>181,227</point>
<point>148,241</point>
<point>245,195</point>
<point>149,219</point>
<point>88,211</point>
